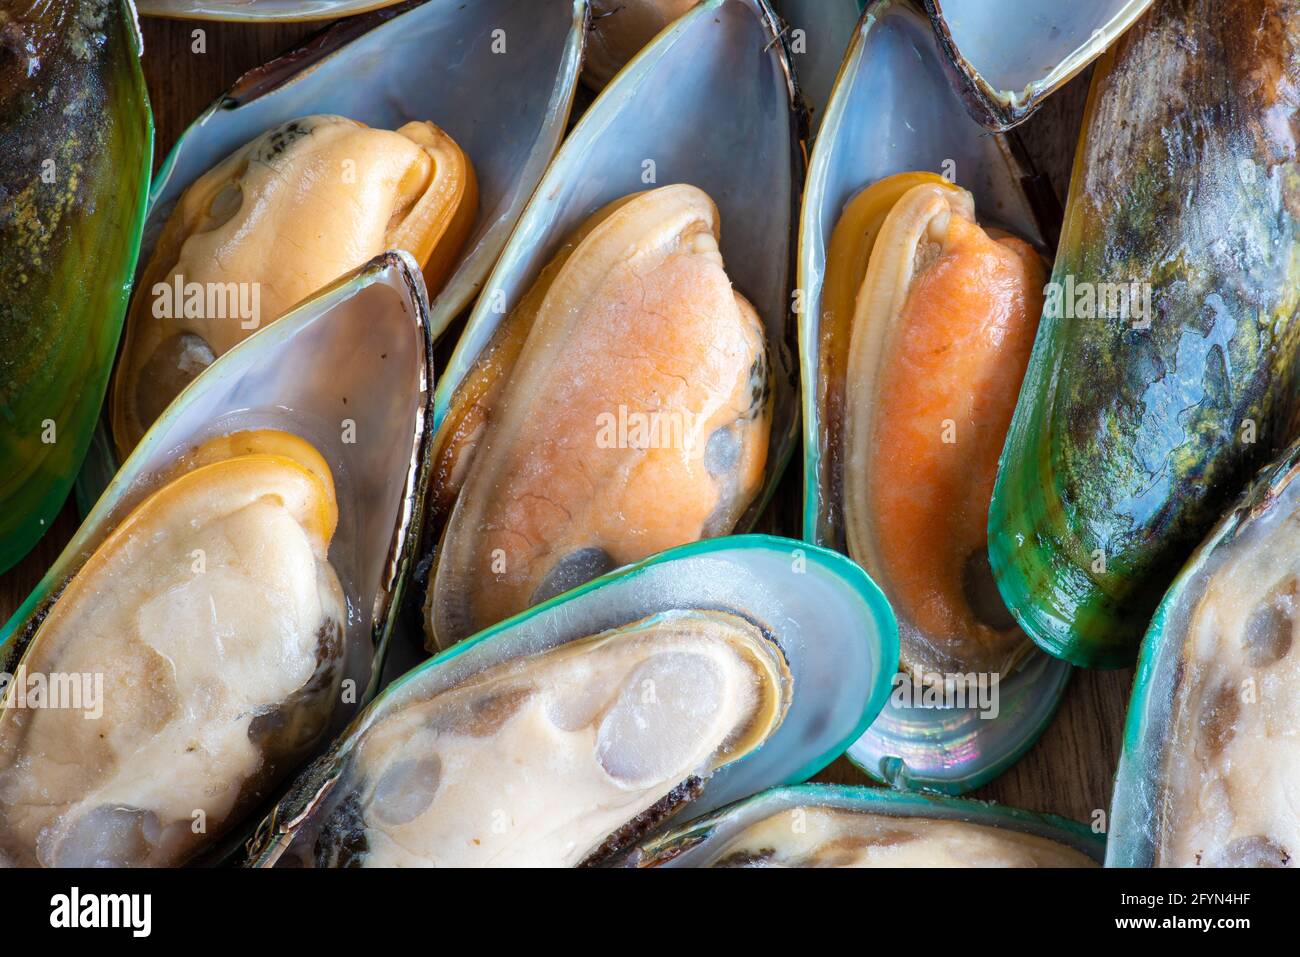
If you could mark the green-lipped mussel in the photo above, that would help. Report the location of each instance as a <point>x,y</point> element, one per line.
<point>614,393</point>
<point>818,825</point>
<point>211,623</point>
<point>224,608</point>
<point>76,145</point>
<point>1207,777</point>
<point>280,218</point>
<point>1165,370</point>
<point>562,735</point>
<point>635,419</point>
<point>377,71</point>
<point>920,306</point>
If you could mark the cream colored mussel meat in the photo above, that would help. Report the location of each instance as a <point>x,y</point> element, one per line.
<point>284,216</point>
<point>837,837</point>
<point>554,759</point>
<point>635,418</point>
<point>206,633</point>
<point>1233,761</point>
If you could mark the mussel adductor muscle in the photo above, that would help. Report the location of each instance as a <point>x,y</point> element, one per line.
<point>1165,370</point>
<point>554,759</point>
<point>282,217</point>
<point>1207,777</point>
<point>76,143</point>
<point>635,417</point>
<point>927,324</point>
<point>198,655</point>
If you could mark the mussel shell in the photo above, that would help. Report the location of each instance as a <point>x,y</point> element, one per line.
<point>1139,801</point>
<point>1132,435</point>
<point>831,623</point>
<point>507,110</point>
<point>76,146</point>
<point>370,327</point>
<point>693,104</point>
<point>1006,58</point>
<point>695,843</point>
<point>818,32</point>
<point>893,111</point>
<point>259,11</point>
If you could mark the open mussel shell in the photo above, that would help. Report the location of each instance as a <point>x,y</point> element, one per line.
<point>349,371</point>
<point>76,147</point>
<point>1007,57</point>
<point>259,11</point>
<point>1206,774</point>
<point>503,96</point>
<point>497,76</point>
<point>893,111</point>
<point>724,838</point>
<point>833,628</point>
<point>684,113</point>
<point>818,32</point>
<point>1167,364</point>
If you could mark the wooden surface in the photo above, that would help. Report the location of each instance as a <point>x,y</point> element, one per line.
<point>1068,772</point>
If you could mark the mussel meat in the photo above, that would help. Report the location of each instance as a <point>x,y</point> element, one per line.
<point>1207,777</point>
<point>928,321</point>
<point>820,826</point>
<point>553,759</point>
<point>303,204</point>
<point>635,418</point>
<point>206,638</point>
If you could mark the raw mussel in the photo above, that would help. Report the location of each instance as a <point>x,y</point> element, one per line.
<point>1165,369</point>
<point>283,216</point>
<point>918,318</point>
<point>224,608</point>
<point>614,392</point>
<point>489,116</point>
<point>636,417</point>
<point>76,146</point>
<point>1208,773</point>
<point>212,623</point>
<point>559,737</point>
<point>1007,57</point>
<point>817,825</point>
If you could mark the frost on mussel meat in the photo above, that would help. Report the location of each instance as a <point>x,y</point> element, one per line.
<point>303,204</point>
<point>826,836</point>
<point>927,326</point>
<point>634,416</point>
<point>619,29</point>
<point>206,634</point>
<point>554,759</point>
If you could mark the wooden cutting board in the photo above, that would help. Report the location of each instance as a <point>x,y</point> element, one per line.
<point>1068,772</point>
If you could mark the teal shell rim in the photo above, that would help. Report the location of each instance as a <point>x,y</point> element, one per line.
<point>833,562</point>
<point>1065,830</point>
